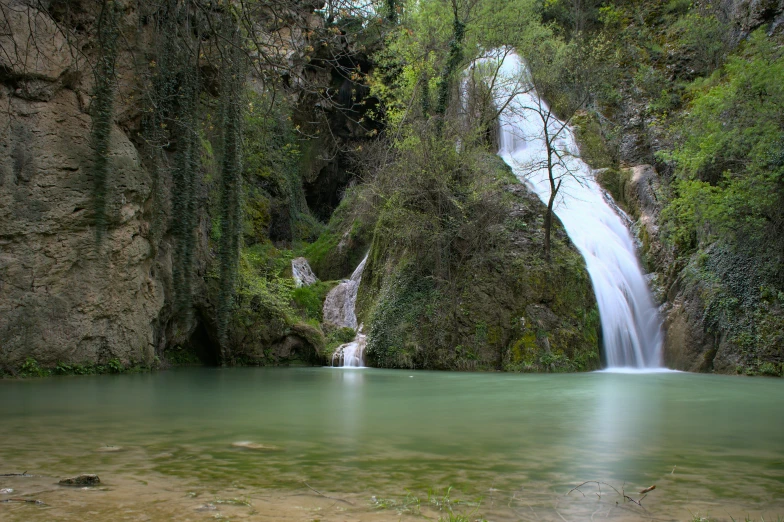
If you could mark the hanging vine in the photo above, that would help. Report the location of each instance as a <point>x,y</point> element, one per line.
<point>233,82</point>
<point>102,110</point>
<point>172,125</point>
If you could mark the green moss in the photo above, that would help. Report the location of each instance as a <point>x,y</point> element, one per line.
<point>182,356</point>
<point>310,299</point>
<point>597,148</point>
<point>345,241</point>
<point>449,289</point>
<point>337,337</point>
<point>31,368</point>
<point>616,182</point>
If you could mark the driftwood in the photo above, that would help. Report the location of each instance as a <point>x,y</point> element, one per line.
<point>326,496</point>
<point>16,475</point>
<point>25,500</point>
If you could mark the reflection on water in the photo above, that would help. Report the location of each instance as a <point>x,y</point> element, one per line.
<point>710,444</point>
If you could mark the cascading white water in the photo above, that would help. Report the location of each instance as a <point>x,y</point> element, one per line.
<point>631,325</point>
<point>340,310</point>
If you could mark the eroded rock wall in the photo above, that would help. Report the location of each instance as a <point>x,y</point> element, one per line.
<point>63,296</point>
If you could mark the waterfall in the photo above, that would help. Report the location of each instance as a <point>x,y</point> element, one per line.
<point>340,310</point>
<point>631,325</point>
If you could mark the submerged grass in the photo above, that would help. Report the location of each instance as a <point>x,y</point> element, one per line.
<point>454,510</point>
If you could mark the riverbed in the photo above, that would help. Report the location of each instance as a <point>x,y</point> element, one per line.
<point>368,444</point>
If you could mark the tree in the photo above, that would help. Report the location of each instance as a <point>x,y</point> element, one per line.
<point>550,69</point>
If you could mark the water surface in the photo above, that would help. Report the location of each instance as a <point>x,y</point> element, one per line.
<point>510,446</point>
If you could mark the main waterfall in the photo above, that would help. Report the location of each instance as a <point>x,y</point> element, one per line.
<point>631,326</point>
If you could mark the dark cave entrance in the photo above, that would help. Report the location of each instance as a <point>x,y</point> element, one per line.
<point>202,348</point>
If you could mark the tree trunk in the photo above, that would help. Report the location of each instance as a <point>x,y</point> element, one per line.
<point>548,225</point>
<point>548,220</point>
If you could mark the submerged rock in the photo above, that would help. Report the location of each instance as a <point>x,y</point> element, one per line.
<point>109,449</point>
<point>85,479</point>
<point>246,444</point>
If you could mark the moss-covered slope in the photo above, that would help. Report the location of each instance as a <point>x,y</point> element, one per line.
<point>456,278</point>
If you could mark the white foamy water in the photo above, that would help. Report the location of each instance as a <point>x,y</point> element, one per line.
<point>351,355</point>
<point>340,310</point>
<point>631,325</point>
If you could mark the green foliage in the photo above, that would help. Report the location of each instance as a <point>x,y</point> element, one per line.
<point>739,305</point>
<point>346,239</point>
<point>337,337</point>
<point>310,299</point>
<point>30,368</point>
<point>275,206</point>
<point>730,174</point>
<point>406,302</point>
<point>181,356</point>
<point>598,143</point>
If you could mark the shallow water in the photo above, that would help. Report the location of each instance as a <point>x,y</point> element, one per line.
<point>510,446</point>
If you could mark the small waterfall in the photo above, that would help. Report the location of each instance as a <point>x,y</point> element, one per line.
<point>351,355</point>
<point>339,310</point>
<point>631,325</point>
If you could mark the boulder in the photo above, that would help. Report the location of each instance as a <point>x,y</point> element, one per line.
<point>85,479</point>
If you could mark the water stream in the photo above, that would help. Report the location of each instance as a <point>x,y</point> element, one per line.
<point>631,325</point>
<point>340,311</point>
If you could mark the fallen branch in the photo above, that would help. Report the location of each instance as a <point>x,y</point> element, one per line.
<point>630,499</point>
<point>577,487</point>
<point>326,496</point>
<point>622,492</point>
<point>25,500</point>
<point>16,475</point>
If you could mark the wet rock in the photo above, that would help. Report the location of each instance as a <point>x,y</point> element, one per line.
<point>255,446</point>
<point>6,491</point>
<point>85,479</point>
<point>339,305</point>
<point>302,273</point>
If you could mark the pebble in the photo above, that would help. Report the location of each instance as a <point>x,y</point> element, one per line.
<point>109,449</point>
<point>246,444</point>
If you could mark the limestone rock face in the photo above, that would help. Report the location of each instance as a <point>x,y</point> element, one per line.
<point>747,15</point>
<point>64,297</point>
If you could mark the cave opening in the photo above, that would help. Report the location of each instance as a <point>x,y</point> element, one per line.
<point>202,348</point>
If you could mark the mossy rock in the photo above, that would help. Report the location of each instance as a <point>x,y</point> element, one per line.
<point>502,307</point>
